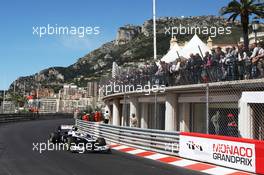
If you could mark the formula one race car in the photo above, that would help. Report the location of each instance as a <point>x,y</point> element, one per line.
<point>79,142</point>
<point>62,133</point>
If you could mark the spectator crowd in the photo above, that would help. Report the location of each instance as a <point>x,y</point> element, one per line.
<point>231,63</point>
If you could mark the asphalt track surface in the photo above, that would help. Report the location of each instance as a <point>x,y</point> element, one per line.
<point>18,158</point>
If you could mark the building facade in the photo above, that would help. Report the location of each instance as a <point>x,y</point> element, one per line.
<point>215,108</point>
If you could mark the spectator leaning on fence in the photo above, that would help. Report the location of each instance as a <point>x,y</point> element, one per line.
<point>258,59</point>
<point>242,60</point>
<point>233,64</point>
<point>255,50</point>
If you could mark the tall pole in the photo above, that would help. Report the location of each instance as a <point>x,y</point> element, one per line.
<point>155,111</point>
<point>207,108</point>
<point>124,112</point>
<point>154,30</point>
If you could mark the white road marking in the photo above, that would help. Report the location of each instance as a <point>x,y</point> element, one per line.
<point>218,170</point>
<point>137,151</point>
<point>156,156</point>
<point>182,162</point>
<point>120,147</point>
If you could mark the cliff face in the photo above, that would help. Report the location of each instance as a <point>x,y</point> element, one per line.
<point>133,45</point>
<point>126,34</point>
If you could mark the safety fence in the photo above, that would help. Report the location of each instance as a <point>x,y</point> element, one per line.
<point>147,139</point>
<point>238,153</point>
<point>234,107</point>
<point>7,118</point>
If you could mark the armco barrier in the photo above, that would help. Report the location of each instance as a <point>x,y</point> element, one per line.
<point>6,118</point>
<point>148,139</point>
<point>239,153</point>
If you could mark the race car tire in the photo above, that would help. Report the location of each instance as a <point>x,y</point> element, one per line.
<point>69,142</point>
<point>109,151</point>
<point>101,141</point>
<point>54,138</point>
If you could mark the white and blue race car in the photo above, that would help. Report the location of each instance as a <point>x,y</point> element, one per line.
<point>77,141</point>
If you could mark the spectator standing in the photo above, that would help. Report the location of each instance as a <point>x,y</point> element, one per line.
<point>85,117</point>
<point>215,120</point>
<point>96,116</point>
<point>241,62</point>
<point>215,65</point>
<point>173,71</point>
<point>76,113</point>
<point>255,50</point>
<point>230,64</point>
<point>190,69</point>
<point>232,125</point>
<point>133,121</point>
<point>221,69</point>
<point>106,117</point>
<point>208,66</point>
<point>259,60</point>
<point>197,68</point>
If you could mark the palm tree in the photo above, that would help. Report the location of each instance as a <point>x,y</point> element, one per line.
<point>244,9</point>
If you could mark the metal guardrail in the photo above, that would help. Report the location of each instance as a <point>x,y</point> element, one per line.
<point>147,139</point>
<point>7,118</point>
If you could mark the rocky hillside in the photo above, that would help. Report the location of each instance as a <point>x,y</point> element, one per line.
<point>132,45</point>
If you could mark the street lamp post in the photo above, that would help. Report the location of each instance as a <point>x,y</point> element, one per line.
<point>154,30</point>
<point>255,27</point>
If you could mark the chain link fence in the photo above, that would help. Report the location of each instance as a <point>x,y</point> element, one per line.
<point>227,109</point>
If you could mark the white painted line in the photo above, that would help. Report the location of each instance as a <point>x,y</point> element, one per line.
<point>120,147</point>
<point>137,151</point>
<point>156,156</point>
<point>183,162</point>
<point>219,170</point>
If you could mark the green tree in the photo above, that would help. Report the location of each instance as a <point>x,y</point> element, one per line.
<point>244,9</point>
<point>18,99</point>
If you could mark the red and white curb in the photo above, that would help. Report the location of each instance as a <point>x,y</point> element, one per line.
<point>177,161</point>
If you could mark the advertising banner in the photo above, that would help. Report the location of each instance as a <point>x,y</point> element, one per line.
<point>232,154</point>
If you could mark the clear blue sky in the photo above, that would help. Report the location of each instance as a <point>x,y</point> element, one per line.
<point>22,53</point>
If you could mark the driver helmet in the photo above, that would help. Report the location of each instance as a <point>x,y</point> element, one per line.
<point>74,128</point>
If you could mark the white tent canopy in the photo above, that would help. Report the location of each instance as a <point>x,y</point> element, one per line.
<point>193,47</point>
<point>172,54</point>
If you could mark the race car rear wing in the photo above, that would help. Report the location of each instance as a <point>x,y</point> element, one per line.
<point>66,126</point>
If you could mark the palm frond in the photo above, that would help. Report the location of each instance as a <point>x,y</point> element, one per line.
<point>233,7</point>
<point>233,17</point>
